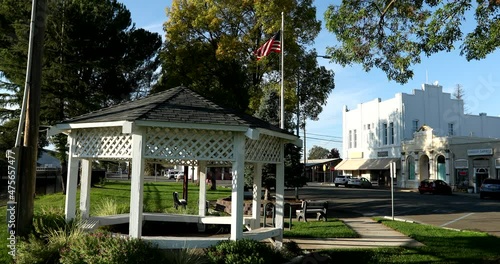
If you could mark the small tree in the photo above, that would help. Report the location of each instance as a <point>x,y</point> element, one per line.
<point>317,152</point>
<point>334,154</point>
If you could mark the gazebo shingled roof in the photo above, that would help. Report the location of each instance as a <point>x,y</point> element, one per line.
<point>179,105</point>
<point>177,126</point>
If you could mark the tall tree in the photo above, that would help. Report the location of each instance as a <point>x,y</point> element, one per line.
<point>459,93</point>
<point>393,35</point>
<point>210,48</point>
<point>317,152</point>
<point>93,57</point>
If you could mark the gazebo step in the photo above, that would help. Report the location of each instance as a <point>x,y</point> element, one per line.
<point>89,225</point>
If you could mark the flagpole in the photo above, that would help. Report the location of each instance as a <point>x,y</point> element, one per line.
<point>282,118</point>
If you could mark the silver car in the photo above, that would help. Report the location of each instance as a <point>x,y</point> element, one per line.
<point>489,188</point>
<point>359,182</point>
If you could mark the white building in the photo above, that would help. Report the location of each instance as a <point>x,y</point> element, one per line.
<point>374,131</point>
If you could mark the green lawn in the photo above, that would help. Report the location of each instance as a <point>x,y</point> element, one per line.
<point>441,245</point>
<point>319,229</point>
<point>157,198</point>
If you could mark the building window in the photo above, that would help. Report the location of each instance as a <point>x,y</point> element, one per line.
<point>450,129</point>
<point>391,130</point>
<point>355,139</point>
<point>415,125</point>
<point>384,134</point>
<point>350,139</point>
<point>411,168</point>
<point>368,126</point>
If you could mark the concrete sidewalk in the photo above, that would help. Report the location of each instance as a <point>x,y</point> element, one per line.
<point>372,234</point>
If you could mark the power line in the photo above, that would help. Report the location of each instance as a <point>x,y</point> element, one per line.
<point>324,139</point>
<point>323,135</point>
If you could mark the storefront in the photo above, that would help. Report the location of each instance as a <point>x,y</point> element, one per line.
<point>462,162</point>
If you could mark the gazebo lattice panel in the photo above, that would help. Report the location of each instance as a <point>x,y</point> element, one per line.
<point>266,149</point>
<point>103,142</point>
<point>188,144</point>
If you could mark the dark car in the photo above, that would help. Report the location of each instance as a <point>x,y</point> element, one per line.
<point>489,188</point>
<point>434,187</point>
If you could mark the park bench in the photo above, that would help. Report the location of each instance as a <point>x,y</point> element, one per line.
<point>310,207</point>
<point>179,202</point>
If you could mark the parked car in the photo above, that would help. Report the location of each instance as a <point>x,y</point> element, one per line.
<point>434,187</point>
<point>489,188</point>
<point>179,176</point>
<point>359,182</point>
<point>341,180</point>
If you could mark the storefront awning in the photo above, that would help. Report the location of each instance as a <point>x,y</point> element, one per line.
<point>367,164</point>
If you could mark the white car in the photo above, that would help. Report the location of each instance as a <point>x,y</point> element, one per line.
<point>359,182</point>
<point>179,175</point>
<point>341,180</point>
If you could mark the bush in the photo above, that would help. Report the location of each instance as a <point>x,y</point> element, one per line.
<point>103,248</point>
<point>185,256</point>
<point>37,251</point>
<point>110,207</point>
<point>48,220</point>
<point>242,252</point>
<point>51,234</point>
<point>291,250</point>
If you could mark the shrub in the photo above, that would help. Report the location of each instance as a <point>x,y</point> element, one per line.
<point>51,234</point>
<point>35,250</point>
<point>103,248</point>
<point>47,220</point>
<point>110,207</point>
<point>185,256</point>
<point>242,252</point>
<point>291,250</point>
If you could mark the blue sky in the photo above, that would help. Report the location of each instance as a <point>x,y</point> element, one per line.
<point>479,79</point>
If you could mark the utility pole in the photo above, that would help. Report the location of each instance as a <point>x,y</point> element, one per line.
<point>27,177</point>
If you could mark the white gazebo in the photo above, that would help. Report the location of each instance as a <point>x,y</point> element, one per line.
<point>180,127</point>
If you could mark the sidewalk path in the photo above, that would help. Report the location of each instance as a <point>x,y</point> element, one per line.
<point>372,234</point>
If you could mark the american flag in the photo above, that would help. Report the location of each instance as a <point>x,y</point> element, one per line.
<point>272,45</point>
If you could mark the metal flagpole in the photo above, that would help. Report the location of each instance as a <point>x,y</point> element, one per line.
<point>282,117</point>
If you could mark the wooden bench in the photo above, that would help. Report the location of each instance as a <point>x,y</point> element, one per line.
<point>309,207</point>
<point>178,202</point>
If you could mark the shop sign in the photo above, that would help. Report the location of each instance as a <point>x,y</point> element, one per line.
<point>479,152</point>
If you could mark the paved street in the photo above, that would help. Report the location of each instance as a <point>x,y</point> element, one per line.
<point>458,211</point>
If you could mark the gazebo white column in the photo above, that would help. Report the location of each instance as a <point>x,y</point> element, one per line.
<point>202,176</point>
<point>85,180</point>
<point>237,184</point>
<point>71,181</point>
<point>280,193</point>
<point>257,193</point>
<point>136,184</point>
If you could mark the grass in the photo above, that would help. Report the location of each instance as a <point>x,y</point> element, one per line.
<point>441,246</point>
<point>320,229</point>
<point>157,198</point>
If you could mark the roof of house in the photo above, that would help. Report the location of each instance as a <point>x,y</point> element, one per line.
<point>177,105</point>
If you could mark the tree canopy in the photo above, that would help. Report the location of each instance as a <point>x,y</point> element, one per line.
<point>210,48</point>
<point>317,152</point>
<point>93,57</point>
<point>394,35</point>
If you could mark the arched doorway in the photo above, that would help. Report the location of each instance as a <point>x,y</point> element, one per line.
<point>441,168</point>
<point>424,166</point>
<point>481,171</point>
